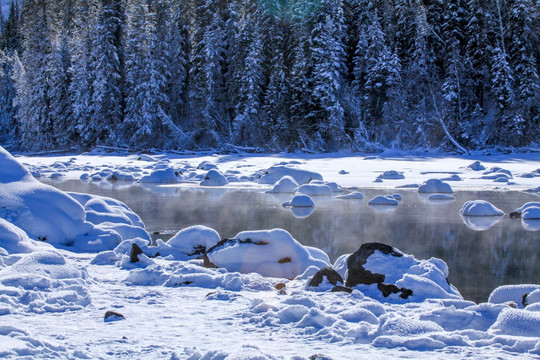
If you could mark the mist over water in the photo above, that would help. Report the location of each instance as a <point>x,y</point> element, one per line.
<point>479,261</point>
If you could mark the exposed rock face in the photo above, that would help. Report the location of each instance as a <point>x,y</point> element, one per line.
<point>355,264</point>
<point>134,254</point>
<point>327,272</point>
<point>359,275</point>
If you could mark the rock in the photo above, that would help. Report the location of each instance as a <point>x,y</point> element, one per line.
<point>113,316</point>
<point>359,275</point>
<point>299,201</point>
<point>391,175</point>
<point>135,252</point>
<point>355,264</point>
<point>435,186</point>
<point>515,215</point>
<point>341,289</point>
<point>476,166</point>
<point>319,357</point>
<point>280,286</point>
<point>330,274</point>
<point>214,178</point>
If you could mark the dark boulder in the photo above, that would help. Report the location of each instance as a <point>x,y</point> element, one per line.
<point>355,264</point>
<point>113,316</point>
<point>341,289</point>
<point>135,252</point>
<point>332,275</point>
<point>359,275</point>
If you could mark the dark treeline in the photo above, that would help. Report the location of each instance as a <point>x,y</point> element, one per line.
<point>281,75</point>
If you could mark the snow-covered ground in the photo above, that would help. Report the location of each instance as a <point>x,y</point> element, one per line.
<point>68,259</point>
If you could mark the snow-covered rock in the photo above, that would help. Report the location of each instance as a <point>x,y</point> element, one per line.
<point>285,185</point>
<point>214,178</point>
<point>332,185</point>
<point>207,165</point>
<point>273,253</point>
<point>480,208</point>
<point>391,175</point>
<point>162,176</point>
<point>314,190</point>
<point>516,322</point>
<point>531,213</point>
<point>194,240</point>
<point>477,166</point>
<point>274,173</point>
<point>512,293</point>
<point>435,186</point>
<point>351,196</point>
<point>441,197</point>
<point>299,201</point>
<point>385,273</point>
<point>384,200</point>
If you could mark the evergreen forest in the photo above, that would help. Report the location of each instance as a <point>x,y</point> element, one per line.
<point>270,75</point>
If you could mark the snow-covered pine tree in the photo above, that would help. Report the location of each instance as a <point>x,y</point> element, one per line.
<point>106,106</point>
<point>249,78</point>
<point>209,120</point>
<point>10,39</point>
<point>9,127</point>
<point>33,80</point>
<point>328,67</point>
<point>81,71</point>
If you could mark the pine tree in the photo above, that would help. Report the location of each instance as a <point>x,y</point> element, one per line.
<point>9,127</point>
<point>10,39</point>
<point>33,79</point>
<point>328,61</point>
<point>106,106</point>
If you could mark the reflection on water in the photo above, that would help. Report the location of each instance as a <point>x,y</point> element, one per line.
<point>505,253</point>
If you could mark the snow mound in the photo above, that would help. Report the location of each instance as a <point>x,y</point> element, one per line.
<point>40,210</point>
<point>480,223</point>
<point>274,173</point>
<point>480,208</point>
<point>435,186</point>
<point>273,253</point>
<point>441,197</point>
<point>391,175</point>
<point>15,240</point>
<point>531,213</point>
<point>332,185</point>
<point>285,185</point>
<point>299,201</point>
<point>193,240</point>
<point>512,293</point>
<point>43,281</point>
<point>384,200</point>
<point>315,190</point>
<point>214,178</point>
<point>516,322</point>
<point>351,196</point>
<point>527,205</point>
<point>477,166</point>
<point>161,176</point>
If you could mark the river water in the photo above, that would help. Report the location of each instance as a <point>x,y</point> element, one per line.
<point>480,255</point>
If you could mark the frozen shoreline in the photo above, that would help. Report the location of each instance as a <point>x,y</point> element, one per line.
<point>176,309</point>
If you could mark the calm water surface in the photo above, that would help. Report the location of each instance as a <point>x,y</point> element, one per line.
<point>479,261</point>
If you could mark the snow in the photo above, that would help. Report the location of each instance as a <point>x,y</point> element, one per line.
<point>274,173</point>
<point>384,200</point>
<point>285,185</point>
<point>302,201</point>
<point>315,190</point>
<point>54,294</point>
<point>214,178</point>
<point>480,208</point>
<point>435,186</point>
<point>273,253</point>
